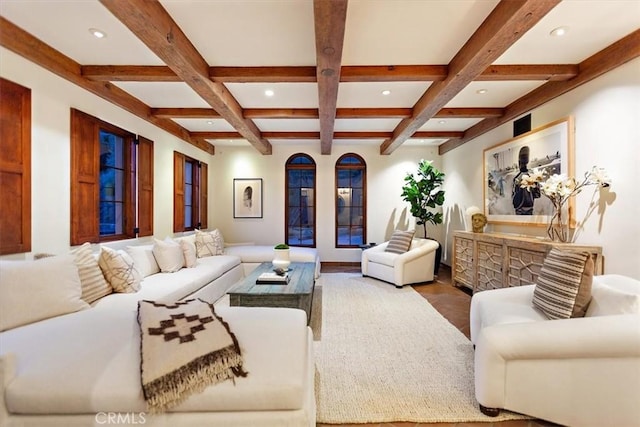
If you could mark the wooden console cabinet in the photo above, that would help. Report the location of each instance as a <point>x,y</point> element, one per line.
<point>484,261</point>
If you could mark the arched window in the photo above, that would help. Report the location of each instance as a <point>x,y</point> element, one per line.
<point>351,201</point>
<point>300,201</point>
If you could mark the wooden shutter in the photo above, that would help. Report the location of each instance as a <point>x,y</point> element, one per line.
<point>204,196</point>
<point>178,192</point>
<point>145,187</point>
<point>85,178</point>
<point>15,168</point>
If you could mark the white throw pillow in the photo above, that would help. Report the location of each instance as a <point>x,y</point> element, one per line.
<point>169,255</point>
<point>118,269</point>
<point>143,259</point>
<point>606,301</point>
<point>36,290</point>
<point>94,285</point>
<point>189,252</point>
<point>209,243</point>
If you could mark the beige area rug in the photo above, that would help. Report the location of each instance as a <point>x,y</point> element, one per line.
<point>386,354</point>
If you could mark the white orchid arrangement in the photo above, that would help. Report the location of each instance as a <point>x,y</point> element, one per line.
<point>559,188</point>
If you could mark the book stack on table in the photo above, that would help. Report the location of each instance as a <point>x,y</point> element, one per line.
<point>272,278</point>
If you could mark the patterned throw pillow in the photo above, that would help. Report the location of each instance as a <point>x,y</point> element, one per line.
<point>119,271</point>
<point>400,241</point>
<point>559,283</point>
<point>209,243</point>
<point>94,286</point>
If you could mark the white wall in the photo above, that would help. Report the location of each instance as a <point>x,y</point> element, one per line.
<point>52,98</point>
<point>607,134</point>
<point>385,208</point>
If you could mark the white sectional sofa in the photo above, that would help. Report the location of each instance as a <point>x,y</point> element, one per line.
<point>83,368</point>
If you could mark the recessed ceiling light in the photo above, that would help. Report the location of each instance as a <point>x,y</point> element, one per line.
<point>209,122</point>
<point>481,91</point>
<point>441,122</point>
<point>268,92</point>
<point>97,33</point>
<point>386,92</point>
<point>559,32</point>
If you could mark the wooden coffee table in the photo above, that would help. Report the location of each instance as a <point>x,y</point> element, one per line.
<point>298,293</point>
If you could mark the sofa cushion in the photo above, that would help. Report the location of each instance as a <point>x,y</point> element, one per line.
<point>382,257</point>
<point>103,348</point>
<point>94,285</point>
<point>189,253</point>
<point>27,293</point>
<point>209,243</point>
<point>168,254</point>
<point>558,285</point>
<point>143,259</point>
<point>118,269</point>
<point>400,241</point>
<point>607,300</point>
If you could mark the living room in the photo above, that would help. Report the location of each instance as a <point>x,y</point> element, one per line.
<point>604,111</point>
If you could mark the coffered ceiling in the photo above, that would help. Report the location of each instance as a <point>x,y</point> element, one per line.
<point>377,72</point>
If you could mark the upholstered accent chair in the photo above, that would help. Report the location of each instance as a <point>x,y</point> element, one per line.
<point>413,266</point>
<point>577,371</point>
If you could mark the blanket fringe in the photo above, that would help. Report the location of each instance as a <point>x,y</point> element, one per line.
<point>175,387</point>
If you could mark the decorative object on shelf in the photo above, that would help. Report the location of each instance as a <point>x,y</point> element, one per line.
<point>478,221</point>
<point>424,194</point>
<point>281,256</point>
<point>247,197</point>
<point>549,148</point>
<point>559,189</point>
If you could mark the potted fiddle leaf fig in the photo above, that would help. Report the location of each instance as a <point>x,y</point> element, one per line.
<point>424,193</point>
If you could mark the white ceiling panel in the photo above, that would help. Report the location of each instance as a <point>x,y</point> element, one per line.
<point>165,94</point>
<point>592,25</point>
<point>362,125</point>
<point>369,94</point>
<point>248,32</point>
<point>64,25</point>
<point>448,124</point>
<point>205,125</point>
<point>295,125</point>
<point>499,94</point>
<point>396,32</point>
<point>286,95</point>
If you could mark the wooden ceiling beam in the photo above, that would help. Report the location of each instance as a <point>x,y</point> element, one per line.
<point>341,113</point>
<point>153,25</point>
<point>508,21</point>
<point>302,74</point>
<point>24,44</point>
<point>130,73</point>
<point>329,18</point>
<point>263,74</point>
<point>613,56</point>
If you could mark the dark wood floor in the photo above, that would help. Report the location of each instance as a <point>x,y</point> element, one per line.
<point>453,303</point>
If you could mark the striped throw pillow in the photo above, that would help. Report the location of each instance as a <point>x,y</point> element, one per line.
<point>94,285</point>
<point>400,241</point>
<point>559,283</point>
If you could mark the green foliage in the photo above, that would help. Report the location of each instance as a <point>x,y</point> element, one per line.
<point>423,192</point>
<point>281,246</point>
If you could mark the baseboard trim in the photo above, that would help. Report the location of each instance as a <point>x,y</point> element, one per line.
<point>339,264</point>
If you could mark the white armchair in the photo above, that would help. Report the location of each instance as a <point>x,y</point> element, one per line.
<point>414,266</point>
<point>579,372</point>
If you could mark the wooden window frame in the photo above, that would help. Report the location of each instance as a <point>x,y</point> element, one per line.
<point>290,166</point>
<point>360,166</point>
<point>85,181</point>
<point>200,188</point>
<point>15,168</point>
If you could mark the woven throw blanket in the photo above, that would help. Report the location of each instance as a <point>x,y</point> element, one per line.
<point>185,347</point>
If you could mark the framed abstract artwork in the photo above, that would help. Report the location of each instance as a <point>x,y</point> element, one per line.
<point>247,197</point>
<point>548,148</point>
